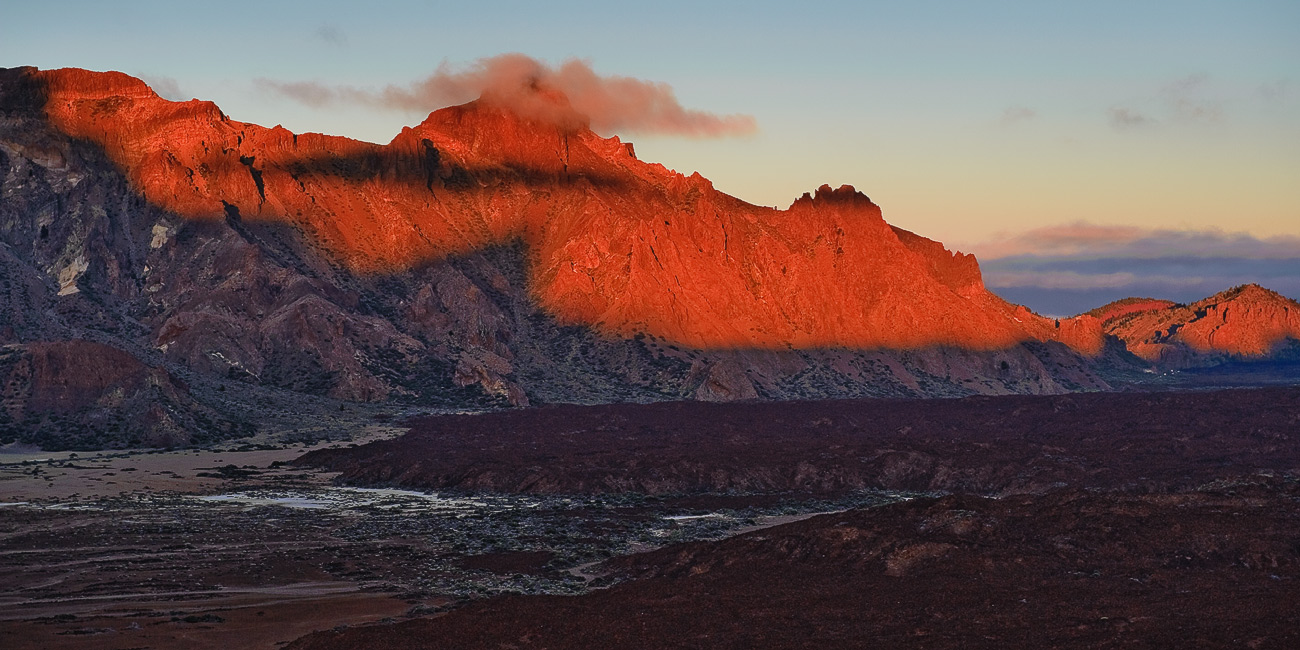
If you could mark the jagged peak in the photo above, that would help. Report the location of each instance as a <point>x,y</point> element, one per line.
<point>825,195</point>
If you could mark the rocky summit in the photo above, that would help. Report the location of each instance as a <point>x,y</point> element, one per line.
<point>1245,321</point>
<point>480,258</point>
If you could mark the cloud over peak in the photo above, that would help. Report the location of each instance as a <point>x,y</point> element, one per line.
<point>570,95</point>
<point>166,87</point>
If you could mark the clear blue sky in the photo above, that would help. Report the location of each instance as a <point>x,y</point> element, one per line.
<point>964,120</point>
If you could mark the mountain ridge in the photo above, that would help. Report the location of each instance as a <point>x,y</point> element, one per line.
<point>612,235</point>
<point>523,274</point>
<point>1171,333</point>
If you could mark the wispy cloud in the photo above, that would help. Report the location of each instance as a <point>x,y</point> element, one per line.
<point>1017,114</point>
<point>1057,279</point>
<point>1072,268</point>
<point>1088,240</point>
<point>310,93</point>
<point>166,87</point>
<point>1128,118</point>
<point>1072,280</point>
<point>1185,99</point>
<point>330,35</point>
<point>570,95</point>
<point>1278,92</point>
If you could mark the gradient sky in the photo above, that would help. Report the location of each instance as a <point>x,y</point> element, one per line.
<point>971,123</point>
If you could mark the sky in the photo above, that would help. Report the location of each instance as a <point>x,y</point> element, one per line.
<point>993,127</point>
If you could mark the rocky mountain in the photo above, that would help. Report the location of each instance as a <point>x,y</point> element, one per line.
<point>614,243</point>
<point>478,259</point>
<point>80,393</point>
<point>1241,323</point>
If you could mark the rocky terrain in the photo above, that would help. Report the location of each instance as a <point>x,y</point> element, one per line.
<point>1086,520</point>
<point>203,548</point>
<point>223,254</point>
<point>984,445</point>
<point>171,277</point>
<point>614,243</point>
<point>1068,569</point>
<point>78,393</point>
<point>1082,521</point>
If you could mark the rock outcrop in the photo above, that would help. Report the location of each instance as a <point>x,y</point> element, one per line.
<point>70,394</point>
<point>1243,322</point>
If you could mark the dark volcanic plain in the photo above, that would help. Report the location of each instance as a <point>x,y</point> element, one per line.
<point>1099,520</point>
<point>1207,569</point>
<point>981,445</point>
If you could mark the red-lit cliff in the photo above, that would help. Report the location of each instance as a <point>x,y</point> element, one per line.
<point>1247,321</point>
<point>478,259</point>
<point>614,243</point>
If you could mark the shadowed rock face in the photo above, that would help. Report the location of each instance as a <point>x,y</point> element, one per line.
<point>74,394</point>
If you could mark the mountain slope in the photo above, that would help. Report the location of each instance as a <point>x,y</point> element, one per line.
<point>614,243</point>
<point>480,315</point>
<point>1243,322</point>
<point>478,259</point>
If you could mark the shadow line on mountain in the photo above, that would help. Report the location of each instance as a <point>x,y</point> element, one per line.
<point>432,172</point>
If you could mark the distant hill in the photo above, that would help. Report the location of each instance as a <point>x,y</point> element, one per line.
<point>1243,322</point>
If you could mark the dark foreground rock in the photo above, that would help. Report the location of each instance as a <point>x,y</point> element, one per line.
<point>1078,521</point>
<point>1003,445</point>
<point>1216,567</point>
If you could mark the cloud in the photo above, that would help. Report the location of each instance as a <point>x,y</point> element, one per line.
<point>166,87</point>
<point>1071,280</point>
<point>303,92</point>
<point>1057,279</point>
<point>570,95</point>
<point>1017,114</point>
<point>331,35</point>
<point>1184,99</point>
<point>1083,240</point>
<point>1278,92</point>
<point>1071,268</point>
<point>1128,118</point>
